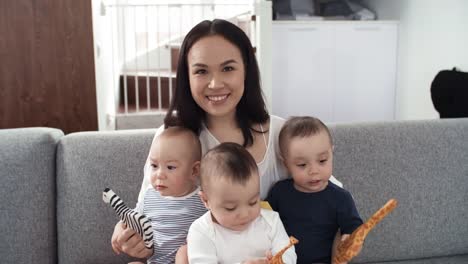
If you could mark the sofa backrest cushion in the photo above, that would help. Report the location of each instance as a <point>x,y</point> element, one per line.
<point>87,163</point>
<point>27,174</point>
<point>424,165</point>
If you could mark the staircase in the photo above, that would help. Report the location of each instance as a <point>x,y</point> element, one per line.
<point>146,101</point>
<point>148,82</point>
<point>146,108</point>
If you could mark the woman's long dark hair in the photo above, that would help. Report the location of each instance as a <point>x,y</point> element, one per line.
<point>251,109</point>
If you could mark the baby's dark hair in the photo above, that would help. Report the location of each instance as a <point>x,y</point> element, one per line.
<point>227,160</point>
<point>192,140</point>
<point>300,126</point>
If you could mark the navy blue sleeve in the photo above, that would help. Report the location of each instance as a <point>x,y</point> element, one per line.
<point>347,214</point>
<point>273,196</point>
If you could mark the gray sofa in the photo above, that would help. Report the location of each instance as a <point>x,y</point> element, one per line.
<point>52,210</point>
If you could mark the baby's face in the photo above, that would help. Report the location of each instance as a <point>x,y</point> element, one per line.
<point>233,205</point>
<point>310,162</point>
<point>172,167</point>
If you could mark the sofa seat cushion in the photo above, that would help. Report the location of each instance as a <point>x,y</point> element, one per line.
<point>458,259</point>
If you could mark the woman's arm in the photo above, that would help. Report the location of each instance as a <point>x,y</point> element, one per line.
<point>336,181</point>
<point>126,240</point>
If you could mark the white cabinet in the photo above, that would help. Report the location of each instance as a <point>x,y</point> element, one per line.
<point>337,71</point>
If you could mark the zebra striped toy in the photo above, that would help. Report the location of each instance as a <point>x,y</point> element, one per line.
<point>136,221</point>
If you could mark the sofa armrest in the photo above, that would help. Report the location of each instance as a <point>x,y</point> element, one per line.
<point>27,174</point>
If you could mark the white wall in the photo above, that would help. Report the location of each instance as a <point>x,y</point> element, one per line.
<point>157,58</point>
<point>106,85</point>
<point>433,36</point>
<point>262,40</point>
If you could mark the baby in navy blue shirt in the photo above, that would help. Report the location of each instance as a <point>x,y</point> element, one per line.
<point>312,208</point>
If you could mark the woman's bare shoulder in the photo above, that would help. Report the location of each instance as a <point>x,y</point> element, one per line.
<point>276,123</point>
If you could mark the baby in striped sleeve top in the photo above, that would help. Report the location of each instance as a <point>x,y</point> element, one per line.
<point>171,201</point>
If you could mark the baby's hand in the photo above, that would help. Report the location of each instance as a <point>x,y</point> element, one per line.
<point>343,239</point>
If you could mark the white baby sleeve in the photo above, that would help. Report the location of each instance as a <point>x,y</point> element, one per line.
<point>200,245</point>
<point>280,239</point>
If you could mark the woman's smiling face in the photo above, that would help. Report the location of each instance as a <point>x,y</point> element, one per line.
<point>216,75</point>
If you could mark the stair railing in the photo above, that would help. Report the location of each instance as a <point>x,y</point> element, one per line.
<point>146,37</point>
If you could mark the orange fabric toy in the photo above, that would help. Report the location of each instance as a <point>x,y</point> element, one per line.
<point>278,257</point>
<point>349,248</point>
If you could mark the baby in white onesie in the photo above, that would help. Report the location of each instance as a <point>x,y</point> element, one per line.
<point>235,229</point>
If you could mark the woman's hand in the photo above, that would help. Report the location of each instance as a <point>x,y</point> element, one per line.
<point>126,240</point>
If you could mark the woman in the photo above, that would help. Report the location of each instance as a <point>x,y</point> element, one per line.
<point>218,96</point>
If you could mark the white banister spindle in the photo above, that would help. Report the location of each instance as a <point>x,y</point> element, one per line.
<point>170,50</point>
<point>159,62</point>
<point>148,93</point>
<point>124,42</point>
<point>135,33</point>
<point>112,27</point>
